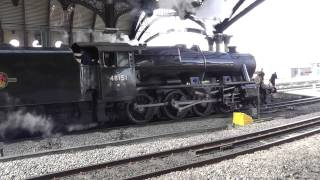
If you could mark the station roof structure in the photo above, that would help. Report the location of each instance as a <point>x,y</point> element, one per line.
<point>52,22</point>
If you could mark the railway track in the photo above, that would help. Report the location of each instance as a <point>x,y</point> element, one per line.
<point>286,104</point>
<point>151,165</point>
<point>113,143</point>
<point>137,140</point>
<point>266,108</point>
<point>104,129</point>
<point>298,87</point>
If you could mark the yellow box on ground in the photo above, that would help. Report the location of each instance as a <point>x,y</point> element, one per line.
<point>241,119</point>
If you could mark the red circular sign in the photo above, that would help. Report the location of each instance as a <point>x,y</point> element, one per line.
<point>3,80</point>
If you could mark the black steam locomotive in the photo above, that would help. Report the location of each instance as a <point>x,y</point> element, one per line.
<point>135,82</point>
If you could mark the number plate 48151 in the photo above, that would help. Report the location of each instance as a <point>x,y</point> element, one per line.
<point>119,77</point>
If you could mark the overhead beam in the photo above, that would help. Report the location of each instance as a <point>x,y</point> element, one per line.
<point>110,14</point>
<point>135,27</point>
<point>15,2</point>
<point>70,26</point>
<point>1,34</point>
<point>93,25</point>
<point>25,33</point>
<point>48,31</point>
<point>228,22</point>
<point>147,27</point>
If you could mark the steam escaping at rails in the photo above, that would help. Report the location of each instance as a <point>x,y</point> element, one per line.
<point>79,127</point>
<point>28,122</point>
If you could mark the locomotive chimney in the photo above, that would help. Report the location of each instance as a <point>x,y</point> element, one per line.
<point>226,40</point>
<point>218,39</point>
<point>210,43</point>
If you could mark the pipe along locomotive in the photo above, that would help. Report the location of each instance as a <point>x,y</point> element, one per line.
<point>122,81</point>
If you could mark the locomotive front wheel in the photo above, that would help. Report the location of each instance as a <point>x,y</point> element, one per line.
<point>140,115</point>
<point>170,111</point>
<point>202,109</point>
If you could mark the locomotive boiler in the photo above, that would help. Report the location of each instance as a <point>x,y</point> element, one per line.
<point>181,64</point>
<point>122,81</point>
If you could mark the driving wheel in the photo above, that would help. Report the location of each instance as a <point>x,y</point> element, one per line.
<point>169,110</point>
<point>140,115</point>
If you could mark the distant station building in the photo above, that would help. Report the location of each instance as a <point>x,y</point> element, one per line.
<point>306,70</point>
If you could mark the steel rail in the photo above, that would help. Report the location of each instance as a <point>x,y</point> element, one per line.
<point>104,129</point>
<point>298,87</point>
<point>104,145</point>
<point>293,126</point>
<point>225,157</point>
<point>135,140</point>
<point>291,103</point>
<point>256,138</point>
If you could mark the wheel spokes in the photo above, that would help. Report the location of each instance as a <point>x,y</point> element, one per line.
<point>170,111</point>
<point>202,109</point>
<point>138,114</point>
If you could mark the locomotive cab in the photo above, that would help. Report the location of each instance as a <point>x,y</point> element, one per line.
<point>115,71</point>
<point>117,75</point>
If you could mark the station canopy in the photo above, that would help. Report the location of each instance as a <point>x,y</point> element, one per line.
<point>51,23</point>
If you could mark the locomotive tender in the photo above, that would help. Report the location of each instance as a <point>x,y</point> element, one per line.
<point>144,82</point>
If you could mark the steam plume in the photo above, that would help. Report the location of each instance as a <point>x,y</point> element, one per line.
<point>182,7</point>
<point>30,122</point>
<point>215,9</point>
<point>210,9</point>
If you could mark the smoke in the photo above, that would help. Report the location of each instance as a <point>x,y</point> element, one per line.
<point>215,9</point>
<point>79,127</point>
<point>182,7</point>
<point>210,9</point>
<point>24,122</point>
<point>30,122</point>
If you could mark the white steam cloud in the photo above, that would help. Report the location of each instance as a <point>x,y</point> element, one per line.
<point>182,7</point>
<point>112,38</point>
<point>79,127</point>
<point>210,9</point>
<point>215,9</point>
<point>30,122</point>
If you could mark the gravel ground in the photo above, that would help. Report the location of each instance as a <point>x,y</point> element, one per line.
<point>113,135</point>
<point>135,132</point>
<point>296,160</point>
<point>20,169</point>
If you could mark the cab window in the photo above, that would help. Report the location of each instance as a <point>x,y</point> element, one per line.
<point>109,59</point>
<point>119,59</point>
<point>123,59</point>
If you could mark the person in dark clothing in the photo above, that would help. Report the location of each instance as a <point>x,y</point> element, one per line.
<point>259,79</point>
<point>262,75</point>
<point>85,58</point>
<point>81,56</point>
<point>273,79</point>
<point>76,48</point>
